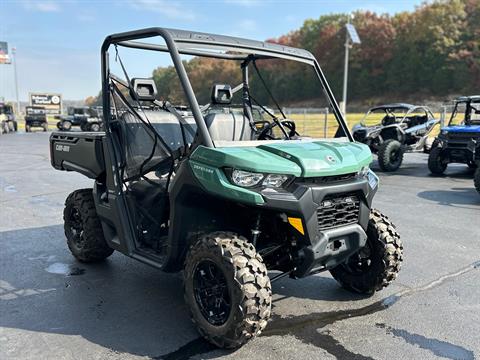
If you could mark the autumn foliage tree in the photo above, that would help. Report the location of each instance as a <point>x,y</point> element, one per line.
<point>432,51</point>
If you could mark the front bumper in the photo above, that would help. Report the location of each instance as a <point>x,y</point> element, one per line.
<point>35,123</point>
<point>332,247</point>
<point>459,149</point>
<point>324,248</point>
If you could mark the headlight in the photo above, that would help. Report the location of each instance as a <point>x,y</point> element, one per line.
<point>274,180</point>
<point>246,178</point>
<point>444,132</point>
<point>251,179</point>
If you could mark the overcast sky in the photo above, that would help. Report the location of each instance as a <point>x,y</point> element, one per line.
<point>58,42</point>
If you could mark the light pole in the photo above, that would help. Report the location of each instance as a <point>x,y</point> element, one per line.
<point>351,37</point>
<point>14,58</point>
<point>345,71</point>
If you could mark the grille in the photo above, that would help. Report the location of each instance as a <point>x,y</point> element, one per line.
<point>457,145</point>
<point>463,135</point>
<point>338,211</point>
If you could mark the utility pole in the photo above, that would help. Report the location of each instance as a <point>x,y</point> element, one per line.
<point>14,58</point>
<point>351,37</point>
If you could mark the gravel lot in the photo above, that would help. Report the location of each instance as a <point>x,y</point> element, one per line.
<point>52,307</point>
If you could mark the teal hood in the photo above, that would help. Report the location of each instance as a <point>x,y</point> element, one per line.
<point>298,158</point>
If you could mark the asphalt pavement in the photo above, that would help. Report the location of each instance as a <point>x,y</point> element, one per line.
<point>53,307</point>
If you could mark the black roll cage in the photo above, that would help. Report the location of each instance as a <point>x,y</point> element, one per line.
<point>392,110</point>
<point>185,42</point>
<point>468,101</point>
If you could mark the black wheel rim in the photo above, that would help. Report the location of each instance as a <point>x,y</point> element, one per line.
<point>211,292</point>
<point>76,228</point>
<point>394,156</point>
<point>360,262</point>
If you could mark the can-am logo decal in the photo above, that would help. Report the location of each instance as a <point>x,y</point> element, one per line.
<point>64,148</point>
<point>330,159</point>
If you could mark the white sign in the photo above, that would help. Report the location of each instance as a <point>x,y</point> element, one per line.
<point>51,102</point>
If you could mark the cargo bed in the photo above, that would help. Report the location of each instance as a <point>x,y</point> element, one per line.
<point>81,152</point>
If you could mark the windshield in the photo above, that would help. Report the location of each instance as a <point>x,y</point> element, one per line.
<point>465,113</point>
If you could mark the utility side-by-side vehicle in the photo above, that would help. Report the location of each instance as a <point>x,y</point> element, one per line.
<point>391,130</point>
<point>459,142</point>
<point>233,202</point>
<point>35,116</point>
<point>8,123</point>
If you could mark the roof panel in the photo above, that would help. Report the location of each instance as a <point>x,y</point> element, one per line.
<point>403,106</point>
<point>224,40</point>
<point>471,98</point>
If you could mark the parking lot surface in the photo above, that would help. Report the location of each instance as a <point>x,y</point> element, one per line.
<point>52,307</point>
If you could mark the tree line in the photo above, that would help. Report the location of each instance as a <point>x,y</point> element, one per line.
<point>431,51</point>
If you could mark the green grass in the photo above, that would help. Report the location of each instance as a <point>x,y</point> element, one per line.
<point>314,124</point>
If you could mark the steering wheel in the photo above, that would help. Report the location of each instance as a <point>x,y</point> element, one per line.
<point>267,131</point>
